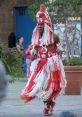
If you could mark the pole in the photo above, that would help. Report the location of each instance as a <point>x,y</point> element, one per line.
<point>81,36</point>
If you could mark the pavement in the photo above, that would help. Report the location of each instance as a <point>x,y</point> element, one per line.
<point>13,106</point>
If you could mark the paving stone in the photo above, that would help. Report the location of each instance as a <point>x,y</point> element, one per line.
<point>12,106</point>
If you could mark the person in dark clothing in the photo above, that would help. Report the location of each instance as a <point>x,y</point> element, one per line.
<point>11,40</point>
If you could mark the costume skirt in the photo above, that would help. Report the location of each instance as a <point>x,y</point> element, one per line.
<point>46,81</point>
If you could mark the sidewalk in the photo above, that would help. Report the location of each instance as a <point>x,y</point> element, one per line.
<point>12,106</point>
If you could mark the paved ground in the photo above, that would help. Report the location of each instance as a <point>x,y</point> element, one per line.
<point>12,106</point>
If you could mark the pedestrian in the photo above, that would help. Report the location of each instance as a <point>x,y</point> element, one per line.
<point>28,59</point>
<point>47,78</point>
<point>19,45</point>
<point>21,51</point>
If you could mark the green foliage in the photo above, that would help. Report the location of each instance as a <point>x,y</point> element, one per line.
<point>13,63</point>
<point>73,62</point>
<point>64,9</point>
<point>59,10</point>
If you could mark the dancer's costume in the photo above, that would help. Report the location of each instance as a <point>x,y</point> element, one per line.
<point>47,77</point>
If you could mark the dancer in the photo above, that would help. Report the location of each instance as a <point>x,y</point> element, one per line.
<point>47,78</point>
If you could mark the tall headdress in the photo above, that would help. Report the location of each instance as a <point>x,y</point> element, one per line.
<point>43,17</point>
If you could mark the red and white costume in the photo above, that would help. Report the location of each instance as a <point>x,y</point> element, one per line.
<point>47,78</point>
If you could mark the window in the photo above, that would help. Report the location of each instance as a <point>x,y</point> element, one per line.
<point>21,11</point>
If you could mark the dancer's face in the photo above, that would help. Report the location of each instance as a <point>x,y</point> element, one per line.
<point>41,28</point>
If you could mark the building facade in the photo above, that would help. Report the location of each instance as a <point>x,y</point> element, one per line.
<point>7,17</point>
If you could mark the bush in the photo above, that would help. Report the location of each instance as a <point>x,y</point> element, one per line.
<point>73,61</point>
<point>13,63</point>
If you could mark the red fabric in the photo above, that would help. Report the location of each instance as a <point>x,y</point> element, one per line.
<point>39,67</point>
<point>48,86</point>
<point>24,96</point>
<point>43,16</point>
<point>56,87</point>
<point>53,50</point>
<point>42,8</point>
<point>28,54</point>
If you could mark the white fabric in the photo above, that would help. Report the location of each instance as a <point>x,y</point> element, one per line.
<point>41,80</point>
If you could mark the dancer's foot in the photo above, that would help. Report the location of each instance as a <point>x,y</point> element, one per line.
<point>49,108</point>
<point>47,111</point>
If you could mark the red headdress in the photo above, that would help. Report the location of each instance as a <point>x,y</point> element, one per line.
<point>42,17</point>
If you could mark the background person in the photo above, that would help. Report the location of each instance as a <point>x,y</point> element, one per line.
<point>28,59</point>
<point>21,52</point>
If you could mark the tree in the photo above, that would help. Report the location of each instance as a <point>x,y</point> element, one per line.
<point>60,10</point>
<point>64,9</point>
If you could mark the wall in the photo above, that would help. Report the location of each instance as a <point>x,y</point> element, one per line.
<point>7,23</point>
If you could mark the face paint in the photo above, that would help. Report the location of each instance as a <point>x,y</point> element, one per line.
<point>41,28</point>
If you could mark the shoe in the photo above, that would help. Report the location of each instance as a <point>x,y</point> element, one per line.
<point>48,109</point>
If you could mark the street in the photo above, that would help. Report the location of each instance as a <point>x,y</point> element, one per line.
<point>13,106</point>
